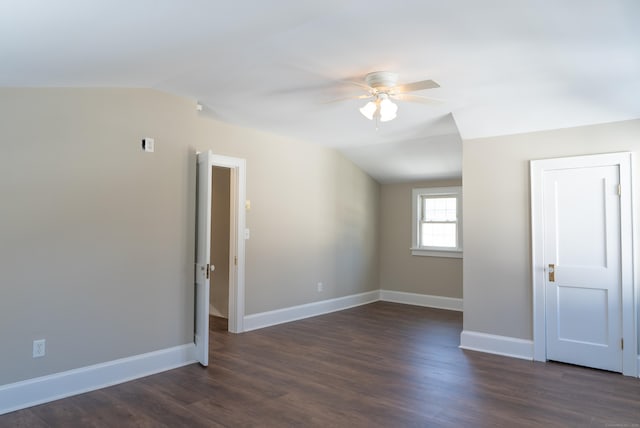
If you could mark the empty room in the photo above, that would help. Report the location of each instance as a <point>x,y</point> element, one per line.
<point>319,214</point>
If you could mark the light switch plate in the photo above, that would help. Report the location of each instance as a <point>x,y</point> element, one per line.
<point>148,145</point>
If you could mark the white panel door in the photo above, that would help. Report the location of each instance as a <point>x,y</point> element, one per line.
<point>203,257</point>
<point>582,260</point>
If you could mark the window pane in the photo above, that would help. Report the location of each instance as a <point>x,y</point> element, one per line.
<point>439,235</point>
<point>439,209</point>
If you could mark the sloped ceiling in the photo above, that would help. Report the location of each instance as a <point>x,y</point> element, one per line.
<point>504,67</point>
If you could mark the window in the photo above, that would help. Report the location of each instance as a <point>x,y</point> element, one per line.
<point>437,222</point>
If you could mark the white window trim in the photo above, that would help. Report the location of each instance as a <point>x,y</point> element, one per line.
<point>416,249</point>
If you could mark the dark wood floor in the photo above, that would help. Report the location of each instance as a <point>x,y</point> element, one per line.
<point>379,365</point>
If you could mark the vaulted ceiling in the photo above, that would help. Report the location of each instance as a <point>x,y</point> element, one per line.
<point>504,66</point>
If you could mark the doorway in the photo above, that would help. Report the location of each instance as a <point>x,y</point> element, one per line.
<point>222,255</point>
<point>234,265</point>
<point>584,305</point>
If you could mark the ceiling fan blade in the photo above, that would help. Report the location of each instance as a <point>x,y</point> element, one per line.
<point>357,97</point>
<point>358,84</point>
<point>417,99</point>
<point>417,86</point>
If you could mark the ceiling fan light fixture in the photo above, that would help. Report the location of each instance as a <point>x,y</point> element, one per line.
<point>369,109</point>
<point>388,110</point>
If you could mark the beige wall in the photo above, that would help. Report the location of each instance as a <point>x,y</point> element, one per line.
<point>220,231</point>
<point>497,237</point>
<point>399,270</point>
<point>313,218</point>
<point>97,237</point>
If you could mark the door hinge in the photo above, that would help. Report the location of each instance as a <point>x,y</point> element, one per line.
<point>622,344</point>
<point>235,260</point>
<point>619,190</point>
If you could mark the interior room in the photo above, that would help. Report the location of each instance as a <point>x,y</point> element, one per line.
<point>332,213</point>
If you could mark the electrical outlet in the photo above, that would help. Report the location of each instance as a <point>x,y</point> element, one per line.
<point>320,287</point>
<point>39,348</point>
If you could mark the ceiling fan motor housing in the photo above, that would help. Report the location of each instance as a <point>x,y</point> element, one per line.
<point>381,79</point>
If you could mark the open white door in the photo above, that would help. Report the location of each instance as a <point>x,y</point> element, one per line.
<point>203,257</point>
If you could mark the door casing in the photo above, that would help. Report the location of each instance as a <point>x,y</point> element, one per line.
<point>629,306</point>
<point>237,233</point>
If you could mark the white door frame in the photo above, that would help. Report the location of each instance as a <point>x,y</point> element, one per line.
<point>236,288</point>
<point>627,242</point>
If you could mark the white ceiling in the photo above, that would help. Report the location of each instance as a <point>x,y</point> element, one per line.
<point>504,66</point>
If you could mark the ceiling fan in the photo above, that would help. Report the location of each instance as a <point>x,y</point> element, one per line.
<point>382,87</point>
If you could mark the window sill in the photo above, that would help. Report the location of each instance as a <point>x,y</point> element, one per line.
<point>454,254</point>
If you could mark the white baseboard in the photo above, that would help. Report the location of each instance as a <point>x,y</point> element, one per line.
<point>499,345</point>
<point>293,313</point>
<point>438,302</point>
<point>279,316</point>
<point>31,392</point>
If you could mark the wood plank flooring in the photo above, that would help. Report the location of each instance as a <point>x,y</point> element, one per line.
<point>379,365</point>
